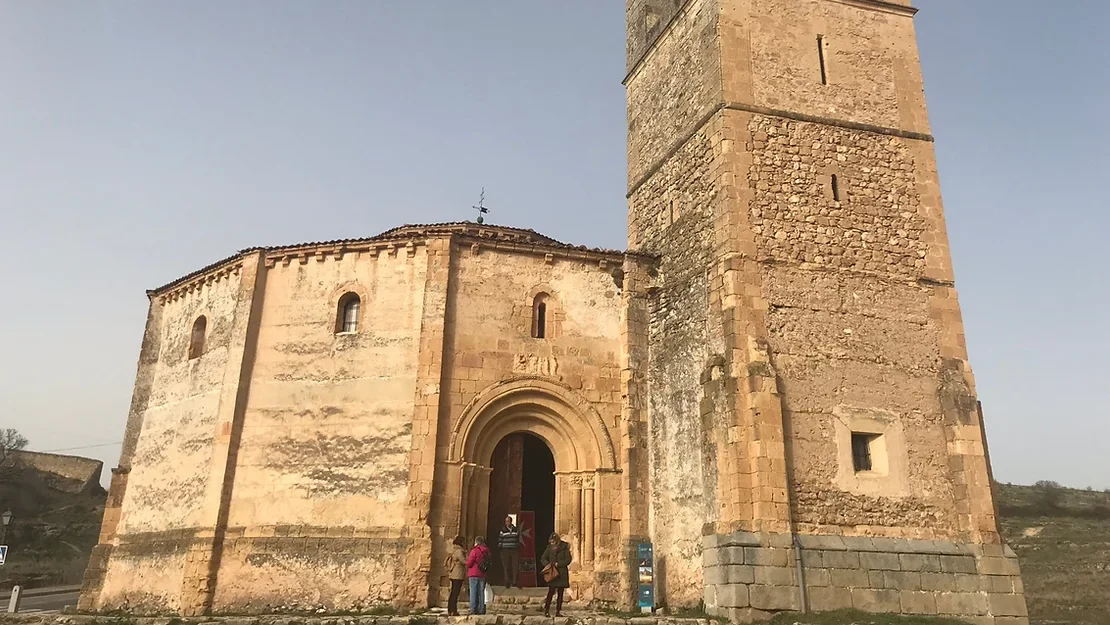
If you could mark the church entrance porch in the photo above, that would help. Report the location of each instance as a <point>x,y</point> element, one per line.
<point>532,445</point>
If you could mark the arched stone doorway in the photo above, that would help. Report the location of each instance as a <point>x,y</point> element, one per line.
<point>580,446</point>
<point>522,484</point>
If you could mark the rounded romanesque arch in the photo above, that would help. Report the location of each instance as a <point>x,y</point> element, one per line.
<point>585,461</point>
<point>570,426</point>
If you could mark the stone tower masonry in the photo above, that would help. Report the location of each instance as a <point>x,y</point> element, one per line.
<point>809,396</point>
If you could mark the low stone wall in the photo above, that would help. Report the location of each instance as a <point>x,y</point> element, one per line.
<point>748,576</point>
<point>76,474</point>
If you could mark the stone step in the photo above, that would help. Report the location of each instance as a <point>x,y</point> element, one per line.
<point>572,617</point>
<point>510,598</point>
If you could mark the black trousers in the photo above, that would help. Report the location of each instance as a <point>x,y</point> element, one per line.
<point>551,590</point>
<point>453,599</point>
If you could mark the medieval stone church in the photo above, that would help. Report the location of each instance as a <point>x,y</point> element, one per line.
<point>771,387</point>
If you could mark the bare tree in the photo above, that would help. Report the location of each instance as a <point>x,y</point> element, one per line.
<point>10,441</point>
<point>1050,493</point>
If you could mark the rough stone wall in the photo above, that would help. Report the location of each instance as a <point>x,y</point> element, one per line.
<point>674,209</point>
<point>646,20</point>
<point>878,225</point>
<point>677,85</point>
<point>322,467</point>
<point>871,60</point>
<point>849,322</point>
<point>77,474</point>
<point>827,288</point>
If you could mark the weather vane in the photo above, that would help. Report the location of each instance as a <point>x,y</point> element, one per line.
<point>482,210</point>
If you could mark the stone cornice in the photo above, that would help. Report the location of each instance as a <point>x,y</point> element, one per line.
<point>882,5</point>
<point>762,110</point>
<point>404,239</point>
<point>211,274</point>
<point>321,251</point>
<point>550,252</point>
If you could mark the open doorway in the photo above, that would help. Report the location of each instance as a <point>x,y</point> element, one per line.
<point>522,481</point>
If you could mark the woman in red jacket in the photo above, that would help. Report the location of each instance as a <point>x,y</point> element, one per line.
<point>477,563</point>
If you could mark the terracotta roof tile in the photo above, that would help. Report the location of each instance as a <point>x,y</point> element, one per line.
<point>465,228</point>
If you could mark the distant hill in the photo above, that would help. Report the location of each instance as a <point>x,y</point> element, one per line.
<point>56,503</point>
<point>1062,538</point>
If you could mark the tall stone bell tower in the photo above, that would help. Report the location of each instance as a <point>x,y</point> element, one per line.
<point>815,438</point>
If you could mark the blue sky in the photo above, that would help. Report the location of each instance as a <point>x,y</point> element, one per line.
<point>142,140</point>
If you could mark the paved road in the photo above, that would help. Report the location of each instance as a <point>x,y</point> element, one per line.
<point>43,603</point>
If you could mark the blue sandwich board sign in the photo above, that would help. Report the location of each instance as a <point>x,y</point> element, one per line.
<point>3,554</point>
<point>646,573</point>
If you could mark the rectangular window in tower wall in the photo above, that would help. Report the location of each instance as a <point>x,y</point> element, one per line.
<point>835,188</point>
<point>861,450</point>
<point>821,59</point>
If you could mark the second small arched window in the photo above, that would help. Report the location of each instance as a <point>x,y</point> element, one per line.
<point>196,337</point>
<point>540,319</point>
<point>349,308</point>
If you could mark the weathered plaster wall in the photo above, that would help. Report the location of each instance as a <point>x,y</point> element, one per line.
<point>322,468</point>
<point>165,494</point>
<point>683,342</point>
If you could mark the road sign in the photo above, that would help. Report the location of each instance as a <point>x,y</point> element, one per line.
<point>3,554</point>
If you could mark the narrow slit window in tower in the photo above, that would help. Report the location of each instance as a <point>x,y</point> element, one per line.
<point>821,59</point>
<point>835,188</point>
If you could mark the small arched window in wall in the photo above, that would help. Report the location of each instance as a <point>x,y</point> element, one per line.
<point>196,338</point>
<point>540,319</point>
<point>347,318</point>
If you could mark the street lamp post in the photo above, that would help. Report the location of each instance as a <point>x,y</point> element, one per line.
<point>5,518</point>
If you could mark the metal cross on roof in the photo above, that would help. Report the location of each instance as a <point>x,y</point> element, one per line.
<point>482,210</point>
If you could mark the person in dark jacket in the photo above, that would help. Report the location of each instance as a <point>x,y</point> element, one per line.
<point>557,555</point>
<point>476,565</point>
<point>508,542</point>
<point>456,571</point>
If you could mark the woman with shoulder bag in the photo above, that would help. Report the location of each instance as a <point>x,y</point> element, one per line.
<point>456,572</point>
<point>556,572</point>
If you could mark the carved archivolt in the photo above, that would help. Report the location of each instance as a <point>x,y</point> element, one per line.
<point>566,421</point>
